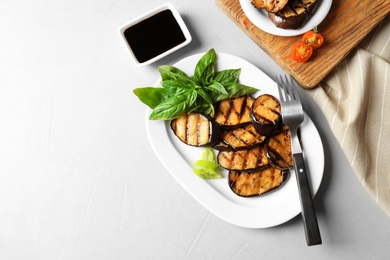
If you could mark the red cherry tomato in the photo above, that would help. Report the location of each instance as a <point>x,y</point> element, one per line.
<point>313,38</point>
<point>301,51</point>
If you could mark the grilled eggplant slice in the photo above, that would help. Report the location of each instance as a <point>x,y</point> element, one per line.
<point>243,160</point>
<point>278,149</point>
<point>294,14</point>
<point>266,115</point>
<point>269,5</point>
<point>242,137</point>
<point>234,112</point>
<point>196,129</point>
<point>248,184</point>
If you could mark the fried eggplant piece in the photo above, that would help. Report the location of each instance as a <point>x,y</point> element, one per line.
<point>241,137</point>
<point>234,112</point>
<point>243,160</point>
<point>269,5</point>
<point>266,115</point>
<point>294,14</point>
<point>278,149</point>
<point>248,184</point>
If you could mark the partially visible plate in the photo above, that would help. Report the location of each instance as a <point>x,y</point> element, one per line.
<point>215,195</point>
<point>261,20</point>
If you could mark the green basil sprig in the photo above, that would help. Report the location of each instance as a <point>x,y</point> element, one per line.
<point>198,93</point>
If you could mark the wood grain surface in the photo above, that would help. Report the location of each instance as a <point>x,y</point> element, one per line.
<point>347,23</point>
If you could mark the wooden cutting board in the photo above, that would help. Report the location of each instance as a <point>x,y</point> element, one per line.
<point>347,23</point>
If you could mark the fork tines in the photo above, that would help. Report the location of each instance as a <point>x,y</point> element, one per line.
<point>287,84</point>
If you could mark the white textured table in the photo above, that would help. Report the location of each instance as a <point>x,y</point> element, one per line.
<point>78,178</point>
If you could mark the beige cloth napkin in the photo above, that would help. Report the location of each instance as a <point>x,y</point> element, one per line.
<point>355,99</point>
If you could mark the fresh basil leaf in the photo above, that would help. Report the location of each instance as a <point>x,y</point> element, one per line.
<point>237,89</point>
<point>217,88</point>
<point>216,97</point>
<point>209,104</point>
<point>201,106</point>
<point>204,95</point>
<point>234,90</point>
<point>208,110</point>
<point>204,69</point>
<point>178,86</point>
<point>227,76</point>
<point>169,72</point>
<point>192,97</point>
<point>174,106</point>
<point>150,96</point>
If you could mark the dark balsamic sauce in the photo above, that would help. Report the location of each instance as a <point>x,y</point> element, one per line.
<point>154,35</point>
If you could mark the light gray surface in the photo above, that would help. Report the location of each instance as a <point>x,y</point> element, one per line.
<point>78,178</point>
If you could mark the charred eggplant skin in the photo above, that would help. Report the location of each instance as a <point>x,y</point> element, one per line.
<point>263,181</point>
<point>196,129</point>
<point>266,115</point>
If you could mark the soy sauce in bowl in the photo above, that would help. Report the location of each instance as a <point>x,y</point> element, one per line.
<point>155,35</point>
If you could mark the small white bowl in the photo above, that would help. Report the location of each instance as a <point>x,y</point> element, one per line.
<point>155,34</point>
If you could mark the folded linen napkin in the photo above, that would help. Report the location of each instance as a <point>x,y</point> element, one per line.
<point>355,99</point>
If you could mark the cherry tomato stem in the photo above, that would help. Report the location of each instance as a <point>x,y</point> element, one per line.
<point>313,38</point>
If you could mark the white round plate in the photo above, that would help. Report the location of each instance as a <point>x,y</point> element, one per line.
<point>215,195</point>
<point>261,20</point>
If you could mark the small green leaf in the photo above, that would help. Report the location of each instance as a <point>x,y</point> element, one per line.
<point>205,174</point>
<point>206,164</point>
<point>178,86</point>
<point>234,90</point>
<point>150,96</point>
<point>237,89</point>
<point>209,104</point>
<point>228,76</point>
<point>217,88</point>
<point>171,108</point>
<point>208,155</point>
<point>203,107</point>
<point>169,72</point>
<point>204,69</point>
<point>207,167</point>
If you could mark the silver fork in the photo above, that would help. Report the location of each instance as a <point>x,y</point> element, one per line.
<point>292,114</point>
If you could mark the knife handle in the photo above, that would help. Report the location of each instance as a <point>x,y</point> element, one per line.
<point>312,231</point>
